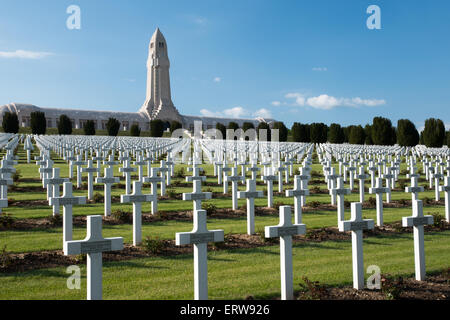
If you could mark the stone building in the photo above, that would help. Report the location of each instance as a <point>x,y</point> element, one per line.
<point>158,103</point>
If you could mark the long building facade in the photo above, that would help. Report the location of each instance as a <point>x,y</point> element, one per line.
<point>158,103</point>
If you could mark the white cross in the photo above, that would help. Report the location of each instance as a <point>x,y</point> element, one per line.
<point>107,180</point>
<point>165,174</point>
<point>351,174</point>
<point>197,195</point>
<point>356,225</point>
<point>71,158</point>
<point>90,169</point>
<point>98,158</point>
<point>234,178</point>
<point>379,190</point>
<point>254,170</point>
<point>280,169</point>
<point>93,245</point>
<point>340,192</point>
<point>285,230</point>
<point>418,220</point>
<point>372,169</point>
<point>79,163</point>
<point>127,170</point>
<point>137,198</point>
<point>224,170</point>
<point>250,194</point>
<point>331,178</point>
<point>414,189</point>
<point>388,176</point>
<point>140,163</point>
<point>53,185</point>
<point>195,174</point>
<point>67,201</point>
<point>153,180</point>
<point>111,163</point>
<point>298,193</point>
<point>446,190</point>
<point>4,183</point>
<point>269,178</point>
<point>199,237</point>
<point>362,177</point>
<point>437,177</point>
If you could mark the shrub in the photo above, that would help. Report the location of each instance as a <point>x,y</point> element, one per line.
<point>10,122</point>
<point>180,173</point>
<point>372,201</point>
<point>210,208</point>
<point>153,245</point>
<point>382,133</point>
<point>38,122</point>
<point>122,216</point>
<point>438,220</point>
<point>55,220</point>
<point>89,128</point>
<point>16,176</point>
<point>313,204</point>
<point>135,131</point>
<point>98,197</point>
<point>112,126</point>
<point>347,204</point>
<point>263,126</point>
<point>282,131</point>
<point>64,125</point>
<point>407,134</point>
<point>313,290</point>
<point>6,220</point>
<point>156,128</point>
<point>174,125</point>
<point>434,133</point>
<point>171,193</point>
<point>391,288</point>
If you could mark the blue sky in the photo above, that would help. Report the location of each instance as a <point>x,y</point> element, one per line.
<point>305,61</point>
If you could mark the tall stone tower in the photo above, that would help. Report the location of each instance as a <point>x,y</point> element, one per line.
<point>158,103</point>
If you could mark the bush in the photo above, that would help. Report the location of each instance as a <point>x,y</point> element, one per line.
<point>391,288</point>
<point>38,122</point>
<point>135,131</point>
<point>10,122</point>
<point>263,126</point>
<point>6,220</point>
<point>16,176</point>
<point>438,220</point>
<point>55,220</point>
<point>372,201</point>
<point>98,197</point>
<point>282,131</point>
<point>382,133</point>
<point>112,126</point>
<point>318,132</point>
<point>89,128</point>
<point>156,128</point>
<point>174,125</point>
<point>357,135</point>
<point>336,134</point>
<point>64,125</point>
<point>153,245</point>
<point>171,193</point>
<point>313,290</point>
<point>179,173</point>
<point>210,208</point>
<point>434,133</point>
<point>407,134</point>
<point>300,132</point>
<point>222,129</point>
<point>122,216</point>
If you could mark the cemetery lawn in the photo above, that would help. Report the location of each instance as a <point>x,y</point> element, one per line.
<point>234,274</point>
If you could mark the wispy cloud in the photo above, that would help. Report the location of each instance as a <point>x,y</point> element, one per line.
<point>263,113</point>
<point>217,79</point>
<point>320,69</point>
<point>236,112</point>
<point>276,103</point>
<point>326,102</point>
<point>130,80</point>
<point>24,54</point>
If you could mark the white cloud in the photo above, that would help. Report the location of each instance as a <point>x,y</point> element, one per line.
<point>217,79</point>
<point>276,103</point>
<point>236,112</point>
<point>263,113</point>
<point>23,54</point>
<point>320,69</point>
<point>326,102</point>
<point>208,113</point>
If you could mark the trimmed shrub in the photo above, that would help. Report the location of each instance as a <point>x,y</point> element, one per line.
<point>89,128</point>
<point>407,134</point>
<point>382,131</point>
<point>156,128</point>
<point>263,126</point>
<point>434,133</point>
<point>336,133</point>
<point>38,122</point>
<point>10,122</point>
<point>64,125</point>
<point>174,125</point>
<point>135,131</point>
<point>113,126</point>
<point>282,131</point>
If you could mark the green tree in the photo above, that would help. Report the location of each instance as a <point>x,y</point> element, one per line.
<point>407,134</point>
<point>38,122</point>
<point>318,132</point>
<point>336,133</point>
<point>113,126</point>
<point>448,138</point>
<point>233,125</point>
<point>156,128</point>
<point>222,129</point>
<point>10,122</point>
<point>282,131</point>
<point>64,125</point>
<point>174,125</point>
<point>264,126</point>
<point>368,133</point>
<point>434,133</point>
<point>382,132</point>
<point>247,125</point>
<point>135,131</point>
<point>357,135</point>
<point>300,132</point>
<point>89,128</point>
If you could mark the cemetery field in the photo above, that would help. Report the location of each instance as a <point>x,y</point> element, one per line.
<point>29,236</point>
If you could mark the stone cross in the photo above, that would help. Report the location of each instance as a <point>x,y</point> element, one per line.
<point>90,169</point>
<point>437,176</point>
<point>165,174</point>
<point>153,180</point>
<point>418,220</point>
<point>234,179</point>
<point>356,225</point>
<point>372,169</point>
<point>340,192</point>
<point>137,198</point>
<point>53,185</point>
<point>4,183</point>
<point>111,163</point>
<point>197,195</point>
<point>361,177</point>
<point>107,180</point>
<point>149,159</point>
<point>379,190</point>
<point>195,174</point>
<point>269,178</point>
<point>79,163</point>
<point>250,194</point>
<point>254,170</point>
<point>280,170</point>
<point>199,237</point>
<point>127,170</point>
<point>93,245</point>
<point>98,158</point>
<point>304,177</point>
<point>388,176</point>
<point>331,179</point>
<point>351,174</point>
<point>414,189</point>
<point>446,190</point>
<point>298,193</point>
<point>67,201</point>
<point>285,230</point>
<point>225,171</point>
<point>140,164</point>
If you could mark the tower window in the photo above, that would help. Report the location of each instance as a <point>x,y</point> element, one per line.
<point>151,45</point>
<point>161,44</point>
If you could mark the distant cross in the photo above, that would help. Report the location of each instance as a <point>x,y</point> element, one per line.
<point>446,190</point>
<point>414,189</point>
<point>304,177</point>
<point>165,174</point>
<point>93,245</point>
<point>352,170</point>
<point>372,169</point>
<point>285,230</point>
<point>250,194</point>
<point>53,184</point>
<point>225,171</point>
<point>254,170</point>
<point>45,171</point>
<point>98,158</point>
<point>269,178</point>
<point>418,220</point>
<point>140,164</point>
<point>111,163</point>
<point>298,193</point>
<point>107,180</point>
<point>340,193</point>
<point>331,178</point>
<point>4,183</point>
<point>90,170</point>
<point>197,195</point>
<point>437,177</point>
<point>137,198</point>
<point>79,162</point>
<point>388,176</point>
<point>153,180</point>
<point>195,174</point>
<point>379,190</point>
<point>280,169</point>
<point>149,160</point>
<point>67,201</point>
<point>234,179</point>
<point>356,225</point>
<point>199,237</point>
<point>127,170</point>
<point>361,177</point>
